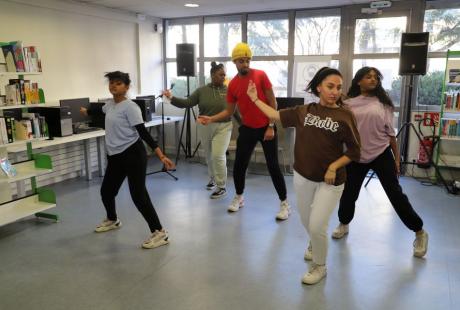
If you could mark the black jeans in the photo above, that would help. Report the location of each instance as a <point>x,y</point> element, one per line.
<point>131,163</point>
<point>245,144</point>
<point>384,167</point>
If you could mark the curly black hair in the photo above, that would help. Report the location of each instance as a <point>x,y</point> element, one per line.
<point>118,76</point>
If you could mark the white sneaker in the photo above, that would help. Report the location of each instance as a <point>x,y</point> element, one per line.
<point>218,193</point>
<point>315,274</point>
<point>236,204</point>
<point>340,231</point>
<point>107,225</point>
<point>308,252</point>
<point>158,238</point>
<point>211,185</point>
<point>284,212</point>
<point>421,245</point>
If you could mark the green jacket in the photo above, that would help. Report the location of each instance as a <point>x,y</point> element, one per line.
<point>210,99</point>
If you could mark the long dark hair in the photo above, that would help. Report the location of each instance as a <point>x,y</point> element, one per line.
<point>378,91</point>
<point>322,73</point>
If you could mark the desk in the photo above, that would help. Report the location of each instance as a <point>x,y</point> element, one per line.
<point>167,119</point>
<point>86,137</point>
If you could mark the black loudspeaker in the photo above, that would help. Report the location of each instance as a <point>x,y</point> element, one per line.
<point>414,52</point>
<point>186,60</point>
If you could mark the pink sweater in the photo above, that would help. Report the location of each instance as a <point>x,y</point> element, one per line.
<point>375,125</point>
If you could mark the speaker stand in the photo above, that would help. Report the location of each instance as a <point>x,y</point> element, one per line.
<point>163,169</point>
<point>186,127</point>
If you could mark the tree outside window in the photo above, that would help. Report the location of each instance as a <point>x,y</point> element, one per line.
<point>317,35</point>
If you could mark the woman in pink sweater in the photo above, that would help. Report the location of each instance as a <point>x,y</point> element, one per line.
<point>373,110</point>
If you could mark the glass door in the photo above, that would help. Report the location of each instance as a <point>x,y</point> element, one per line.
<point>375,41</point>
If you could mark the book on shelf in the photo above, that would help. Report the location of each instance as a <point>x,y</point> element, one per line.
<point>20,91</point>
<point>19,58</point>
<point>8,53</point>
<point>3,133</point>
<point>23,129</point>
<point>7,167</point>
<point>450,127</point>
<point>10,128</point>
<point>29,126</point>
<point>452,100</point>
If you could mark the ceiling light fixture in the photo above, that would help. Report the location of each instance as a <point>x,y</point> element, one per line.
<point>191,5</point>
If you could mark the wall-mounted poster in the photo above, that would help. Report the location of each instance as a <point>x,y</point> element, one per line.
<point>305,68</point>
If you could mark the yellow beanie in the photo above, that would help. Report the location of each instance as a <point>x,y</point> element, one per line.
<point>241,50</point>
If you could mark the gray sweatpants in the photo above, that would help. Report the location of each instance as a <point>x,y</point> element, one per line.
<point>215,138</point>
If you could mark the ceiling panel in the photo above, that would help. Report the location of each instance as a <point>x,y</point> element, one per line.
<point>175,8</point>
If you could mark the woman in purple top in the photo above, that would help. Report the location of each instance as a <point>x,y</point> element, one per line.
<point>373,110</point>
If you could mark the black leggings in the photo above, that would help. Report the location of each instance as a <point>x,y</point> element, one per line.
<point>131,163</point>
<point>384,167</point>
<point>245,144</point>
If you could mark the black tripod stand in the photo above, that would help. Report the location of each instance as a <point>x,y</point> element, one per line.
<point>163,169</point>
<point>186,126</point>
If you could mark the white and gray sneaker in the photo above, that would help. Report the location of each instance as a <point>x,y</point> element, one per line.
<point>236,204</point>
<point>284,212</point>
<point>218,193</point>
<point>340,231</point>
<point>107,225</point>
<point>308,252</point>
<point>421,244</point>
<point>211,185</point>
<point>315,274</point>
<point>158,238</point>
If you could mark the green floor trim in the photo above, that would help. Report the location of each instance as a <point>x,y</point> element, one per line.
<point>48,216</point>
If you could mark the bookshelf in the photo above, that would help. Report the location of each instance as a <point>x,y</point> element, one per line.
<point>13,208</point>
<point>448,147</point>
<point>40,199</point>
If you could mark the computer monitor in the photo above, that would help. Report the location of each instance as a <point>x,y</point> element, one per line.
<point>289,102</point>
<point>97,117</point>
<point>151,99</point>
<point>74,105</point>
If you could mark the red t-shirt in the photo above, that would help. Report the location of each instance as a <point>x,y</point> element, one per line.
<point>237,93</point>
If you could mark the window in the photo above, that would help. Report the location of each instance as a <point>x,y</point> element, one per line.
<point>444,28</point>
<point>277,73</point>
<point>230,69</point>
<point>181,33</point>
<point>430,85</point>
<point>180,82</point>
<point>268,34</point>
<point>379,35</point>
<point>318,35</point>
<point>221,34</point>
<point>391,79</point>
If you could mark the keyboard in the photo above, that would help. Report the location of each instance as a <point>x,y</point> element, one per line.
<point>85,129</point>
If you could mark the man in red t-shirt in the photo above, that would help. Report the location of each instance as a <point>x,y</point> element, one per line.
<point>255,127</point>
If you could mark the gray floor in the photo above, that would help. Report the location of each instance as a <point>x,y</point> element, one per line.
<point>218,260</point>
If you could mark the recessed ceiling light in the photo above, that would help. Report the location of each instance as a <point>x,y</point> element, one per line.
<point>191,5</point>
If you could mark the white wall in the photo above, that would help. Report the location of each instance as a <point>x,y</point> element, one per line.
<point>78,44</point>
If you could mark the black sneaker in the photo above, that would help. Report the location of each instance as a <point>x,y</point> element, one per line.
<point>211,185</point>
<point>218,193</point>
